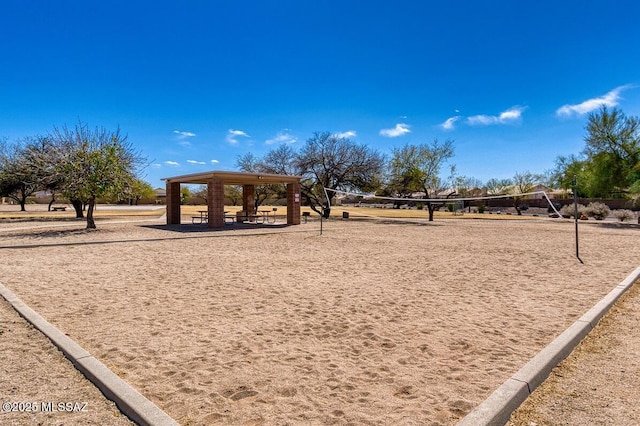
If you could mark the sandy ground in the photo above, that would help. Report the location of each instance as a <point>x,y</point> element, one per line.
<point>371,323</point>
<point>36,378</point>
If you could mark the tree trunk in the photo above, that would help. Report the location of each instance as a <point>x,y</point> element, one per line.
<point>53,200</point>
<point>22,199</point>
<point>77,206</point>
<point>431,207</point>
<point>91,224</point>
<point>516,204</point>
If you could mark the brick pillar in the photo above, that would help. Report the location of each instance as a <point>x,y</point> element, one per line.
<point>249,198</point>
<point>173,203</point>
<point>215,201</point>
<point>293,204</point>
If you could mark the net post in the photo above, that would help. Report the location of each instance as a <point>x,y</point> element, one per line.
<point>575,207</point>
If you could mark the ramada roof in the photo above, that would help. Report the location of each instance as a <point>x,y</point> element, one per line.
<point>234,178</point>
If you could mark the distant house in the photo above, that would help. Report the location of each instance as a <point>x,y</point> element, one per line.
<point>43,194</point>
<point>161,195</point>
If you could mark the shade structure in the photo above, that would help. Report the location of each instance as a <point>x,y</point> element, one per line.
<point>216,180</point>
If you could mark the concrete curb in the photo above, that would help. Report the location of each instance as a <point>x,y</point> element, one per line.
<point>133,404</point>
<point>497,409</point>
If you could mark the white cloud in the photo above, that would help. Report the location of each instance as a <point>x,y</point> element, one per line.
<point>214,161</point>
<point>172,163</point>
<point>482,120</point>
<point>156,165</point>
<point>610,99</point>
<point>184,134</point>
<point>182,137</point>
<point>399,130</point>
<point>232,136</point>
<point>449,123</point>
<point>508,116</point>
<point>347,134</point>
<point>281,137</point>
<point>195,162</point>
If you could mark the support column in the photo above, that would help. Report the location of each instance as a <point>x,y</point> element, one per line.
<point>249,198</point>
<point>293,204</point>
<point>215,201</point>
<point>173,203</point>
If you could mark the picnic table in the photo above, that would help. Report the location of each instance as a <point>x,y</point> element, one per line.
<point>268,216</point>
<point>203,218</point>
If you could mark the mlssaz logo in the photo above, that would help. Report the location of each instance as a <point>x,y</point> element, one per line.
<point>64,407</point>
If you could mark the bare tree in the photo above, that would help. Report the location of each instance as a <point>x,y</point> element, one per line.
<point>18,179</point>
<point>329,161</point>
<point>248,163</point>
<point>522,183</point>
<point>498,186</point>
<point>201,192</point>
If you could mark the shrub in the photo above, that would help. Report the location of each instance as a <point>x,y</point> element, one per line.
<point>481,208</point>
<point>623,215</point>
<point>569,210</point>
<point>557,206</point>
<point>597,210</point>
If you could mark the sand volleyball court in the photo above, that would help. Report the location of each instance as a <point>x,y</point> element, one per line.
<point>370,323</point>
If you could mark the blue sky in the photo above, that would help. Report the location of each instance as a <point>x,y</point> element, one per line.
<point>194,84</point>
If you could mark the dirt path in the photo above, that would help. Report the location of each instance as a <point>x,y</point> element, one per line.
<point>598,383</point>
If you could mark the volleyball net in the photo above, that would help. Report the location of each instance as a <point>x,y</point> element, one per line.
<point>452,204</point>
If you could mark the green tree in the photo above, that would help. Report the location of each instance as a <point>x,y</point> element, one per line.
<point>140,189</point>
<point>93,163</point>
<point>613,145</point>
<point>185,194</point>
<point>233,193</point>
<point>609,166</point>
<point>417,168</point>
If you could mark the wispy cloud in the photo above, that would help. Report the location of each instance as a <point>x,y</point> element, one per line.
<point>347,134</point>
<point>282,137</point>
<point>214,161</point>
<point>449,123</point>
<point>610,99</point>
<point>195,162</point>
<point>509,116</point>
<point>399,130</point>
<point>184,134</point>
<point>156,165</point>
<point>172,163</point>
<point>232,136</point>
